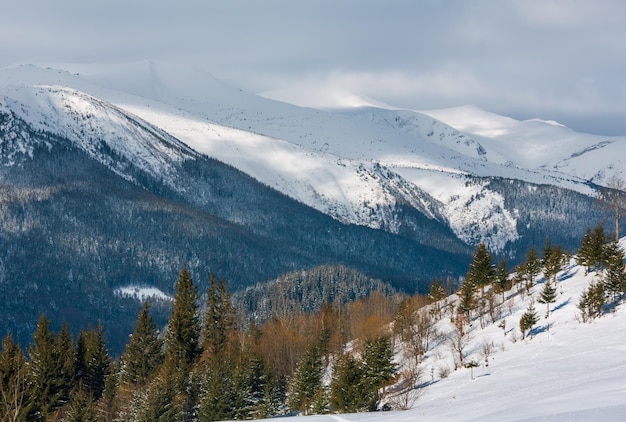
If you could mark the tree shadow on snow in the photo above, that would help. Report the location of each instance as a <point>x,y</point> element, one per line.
<point>568,274</point>
<point>561,305</point>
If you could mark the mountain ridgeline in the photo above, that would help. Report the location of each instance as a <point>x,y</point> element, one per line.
<point>93,198</point>
<point>74,227</point>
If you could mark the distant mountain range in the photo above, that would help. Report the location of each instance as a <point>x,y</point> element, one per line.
<point>120,176</point>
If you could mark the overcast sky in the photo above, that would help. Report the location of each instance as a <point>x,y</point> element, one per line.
<point>560,60</point>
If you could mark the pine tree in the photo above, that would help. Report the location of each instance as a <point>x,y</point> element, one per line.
<point>143,353</point>
<point>96,362</point>
<point>183,329</point>
<point>584,255</point>
<point>482,270</point>
<point>378,365</point>
<point>46,385</point>
<point>436,294</point>
<point>547,296</point>
<point>66,352</point>
<point>467,302</point>
<point>615,277</point>
<point>532,265</point>
<point>528,320</point>
<point>307,380</point>
<point>553,260</point>
<point>599,240</point>
<point>349,391</point>
<point>175,394</point>
<point>219,319</point>
<point>501,279</point>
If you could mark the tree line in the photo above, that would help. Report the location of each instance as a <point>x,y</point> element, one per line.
<point>212,363</point>
<point>207,364</point>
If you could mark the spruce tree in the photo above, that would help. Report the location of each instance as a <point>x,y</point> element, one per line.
<point>532,265</point>
<point>553,261</point>
<point>143,353</point>
<point>436,294</point>
<point>349,391</point>
<point>528,320</point>
<point>591,301</point>
<point>176,388</point>
<point>467,302</point>
<point>96,362</point>
<point>378,365</point>
<point>66,352</point>
<point>598,250</point>
<point>615,277</point>
<point>307,380</point>
<point>584,255</point>
<point>219,319</point>
<point>218,392</point>
<point>501,279</point>
<point>46,385</point>
<point>183,329</point>
<point>547,296</point>
<point>81,407</point>
<point>482,270</point>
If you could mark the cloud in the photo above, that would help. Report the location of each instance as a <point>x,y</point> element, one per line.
<point>527,58</point>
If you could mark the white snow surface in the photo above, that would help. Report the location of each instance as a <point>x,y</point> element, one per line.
<point>572,371</point>
<point>142,293</point>
<point>353,164</point>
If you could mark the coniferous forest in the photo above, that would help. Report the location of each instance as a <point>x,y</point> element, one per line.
<point>214,361</point>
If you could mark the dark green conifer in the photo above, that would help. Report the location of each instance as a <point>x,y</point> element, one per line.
<point>553,261</point>
<point>501,279</point>
<point>615,277</point>
<point>183,329</point>
<point>144,352</point>
<point>436,294</point>
<point>547,296</point>
<point>482,270</point>
<point>467,301</point>
<point>219,319</point>
<point>532,265</point>
<point>528,320</point>
<point>96,362</point>
<point>349,391</point>
<point>307,380</point>
<point>46,385</point>
<point>378,360</point>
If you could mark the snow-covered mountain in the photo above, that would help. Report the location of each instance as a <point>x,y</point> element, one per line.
<point>355,165</point>
<point>95,199</point>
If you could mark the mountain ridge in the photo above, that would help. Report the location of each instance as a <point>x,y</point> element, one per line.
<point>132,189</point>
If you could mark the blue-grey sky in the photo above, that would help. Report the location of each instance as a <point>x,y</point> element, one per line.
<point>563,60</point>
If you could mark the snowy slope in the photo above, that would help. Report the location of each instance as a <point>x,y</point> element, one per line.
<point>355,165</point>
<point>540,144</point>
<point>572,372</point>
<point>57,109</point>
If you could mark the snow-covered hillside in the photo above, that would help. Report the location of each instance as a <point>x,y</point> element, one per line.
<point>569,371</point>
<point>95,126</point>
<point>540,144</point>
<point>355,165</point>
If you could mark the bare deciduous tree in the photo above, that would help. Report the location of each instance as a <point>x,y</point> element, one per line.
<point>407,391</point>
